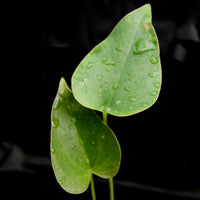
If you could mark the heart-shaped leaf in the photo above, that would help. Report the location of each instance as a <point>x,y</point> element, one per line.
<point>81,144</point>
<point>122,75</point>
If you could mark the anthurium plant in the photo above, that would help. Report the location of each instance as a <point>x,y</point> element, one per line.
<point>121,76</point>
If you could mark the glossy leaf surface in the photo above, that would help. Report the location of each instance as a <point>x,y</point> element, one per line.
<point>122,75</point>
<point>81,144</point>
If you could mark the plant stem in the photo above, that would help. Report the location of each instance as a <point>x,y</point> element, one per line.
<point>111,184</point>
<point>111,189</point>
<point>105,117</point>
<point>92,188</point>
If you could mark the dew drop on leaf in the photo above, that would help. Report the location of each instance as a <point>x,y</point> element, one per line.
<point>108,69</point>
<point>153,74</point>
<point>84,87</point>
<point>61,92</point>
<point>103,137</point>
<point>118,102</point>
<point>89,65</point>
<point>114,87</point>
<point>132,98</point>
<point>128,88</point>
<point>87,161</point>
<point>99,77</point>
<point>141,46</point>
<point>108,109</point>
<point>60,181</point>
<point>52,150</point>
<point>156,84</point>
<point>70,126</point>
<point>55,122</point>
<point>108,62</point>
<point>130,79</point>
<point>153,93</point>
<point>145,105</point>
<point>118,48</point>
<point>73,120</point>
<point>153,59</point>
<point>57,103</point>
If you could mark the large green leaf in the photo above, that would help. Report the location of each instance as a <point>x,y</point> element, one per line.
<point>122,75</point>
<point>81,144</point>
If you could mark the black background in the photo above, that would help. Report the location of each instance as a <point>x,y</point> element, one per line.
<point>47,40</point>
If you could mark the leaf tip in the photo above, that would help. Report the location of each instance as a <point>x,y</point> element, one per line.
<point>146,7</point>
<point>63,85</point>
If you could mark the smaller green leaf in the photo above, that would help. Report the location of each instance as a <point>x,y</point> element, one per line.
<point>81,144</point>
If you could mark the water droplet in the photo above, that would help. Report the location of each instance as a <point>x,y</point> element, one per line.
<point>141,46</point>
<point>57,103</point>
<point>68,107</point>
<point>97,50</point>
<point>89,65</point>
<point>81,83</point>
<point>114,87</point>
<point>52,150</point>
<point>108,62</point>
<point>118,102</point>
<point>136,82</point>
<point>152,74</point>
<point>130,79</point>
<point>100,90</point>
<point>156,84</point>
<point>108,109</point>
<point>108,69</point>
<point>128,88</point>
<point>72,146</point>
<point>102,108</point>
<point>132,98</point>
<point>73,120</point>
<point>153,59</point>
<point>145,105</point>
<point>118,48</point>
<point>103,137</point>
<point>93,142</point>
<point>61,92</point>
<point>83,87</point>
<point>60,181</point>
<point>130,107</point>
<point>87,161</point>
<point>78,78</point>
<point>55,122</point>
<point>153,93</point>
<point>99,77</point>
<point>70,126</point>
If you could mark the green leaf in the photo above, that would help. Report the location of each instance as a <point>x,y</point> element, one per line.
<point>81,144</point>
<point>122,75</point>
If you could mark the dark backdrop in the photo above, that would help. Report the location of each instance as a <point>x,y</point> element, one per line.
<point>47,40</point>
